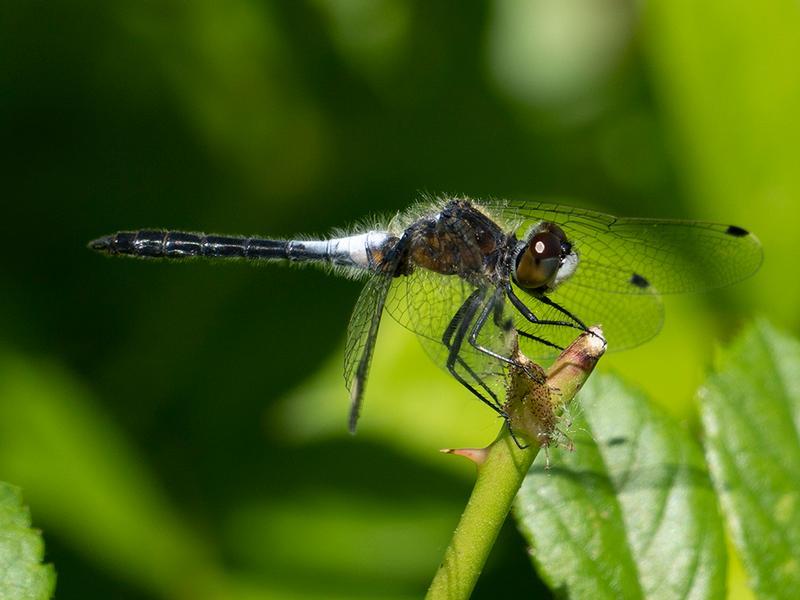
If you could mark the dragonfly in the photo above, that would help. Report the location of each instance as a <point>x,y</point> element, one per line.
<point>478,280</point>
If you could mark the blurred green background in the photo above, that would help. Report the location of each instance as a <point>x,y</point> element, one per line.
<point>180,430</point>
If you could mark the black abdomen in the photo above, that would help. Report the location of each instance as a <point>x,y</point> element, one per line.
<point>148,243</point>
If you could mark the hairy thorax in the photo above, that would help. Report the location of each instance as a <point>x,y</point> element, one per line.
<point>459,240</point>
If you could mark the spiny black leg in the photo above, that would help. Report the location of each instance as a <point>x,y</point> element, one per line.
<point>471,372</point>
<point>473,340</point>
<point>520,445</point>
<point>545,300</point>
<point>495,406</point>
<point>506,324</point>
<point>535,338</point>
<point>446,339</point>
<point>466,313</point>
<point>479,324</point>
<point>476,329</point>
<point>455,321</point>
<point>528,314</point>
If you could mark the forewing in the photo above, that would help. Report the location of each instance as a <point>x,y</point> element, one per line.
<point>360,345</point>
<point>621,254</point>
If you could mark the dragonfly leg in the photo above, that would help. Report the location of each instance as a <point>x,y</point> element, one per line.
<point>504,323</point>
<point>473,340</point>
<point>545,300</point>
<point>536,338</point>
<point>479,324</point>
<point>476,330</point>
<point>528,314</point>
<point>453,339</point>
<point>519,444</point>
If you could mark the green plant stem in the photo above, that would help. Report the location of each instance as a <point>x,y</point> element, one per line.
<point>499,479</point>
<point>504,466</point>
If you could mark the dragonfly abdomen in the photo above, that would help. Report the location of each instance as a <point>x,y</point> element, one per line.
<point>363,251</point>
<point>147,243</point>
<point>358,251</point>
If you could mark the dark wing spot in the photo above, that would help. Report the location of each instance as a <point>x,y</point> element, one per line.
<point>617,441</point>
<point>639,281</point>
<point>736,231</point>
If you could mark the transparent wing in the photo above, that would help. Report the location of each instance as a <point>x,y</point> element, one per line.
<point>360,344</point>
<point>425,302</point>
<point>671,256</point>
<point>627,320</point>
<point>428,304</point>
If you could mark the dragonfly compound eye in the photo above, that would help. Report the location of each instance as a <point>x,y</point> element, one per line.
<point>538,263</point>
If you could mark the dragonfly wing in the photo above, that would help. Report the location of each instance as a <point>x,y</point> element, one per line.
<point>628,320</point>
<point>425,302</point>
<point>360,344</point>
<point>622,253</point>
<point>431,304</point>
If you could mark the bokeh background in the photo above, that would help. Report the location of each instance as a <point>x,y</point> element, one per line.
<point>179,431</point>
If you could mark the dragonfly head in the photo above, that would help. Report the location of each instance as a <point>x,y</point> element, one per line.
<point>544,259</point>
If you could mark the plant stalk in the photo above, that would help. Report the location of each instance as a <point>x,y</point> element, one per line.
<point>532,403</point>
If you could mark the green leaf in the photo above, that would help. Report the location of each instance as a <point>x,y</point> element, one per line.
<point>630,513</point>
<point>22,574</point>
<point>751,417</point>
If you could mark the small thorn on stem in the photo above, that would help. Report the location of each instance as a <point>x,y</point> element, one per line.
<point>476,455</point>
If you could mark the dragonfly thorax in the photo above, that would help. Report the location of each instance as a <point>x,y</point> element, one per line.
<point>459,240</point>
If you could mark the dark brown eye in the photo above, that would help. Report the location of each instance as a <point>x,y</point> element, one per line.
<point>556,231</point>
<point>538,263</point>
